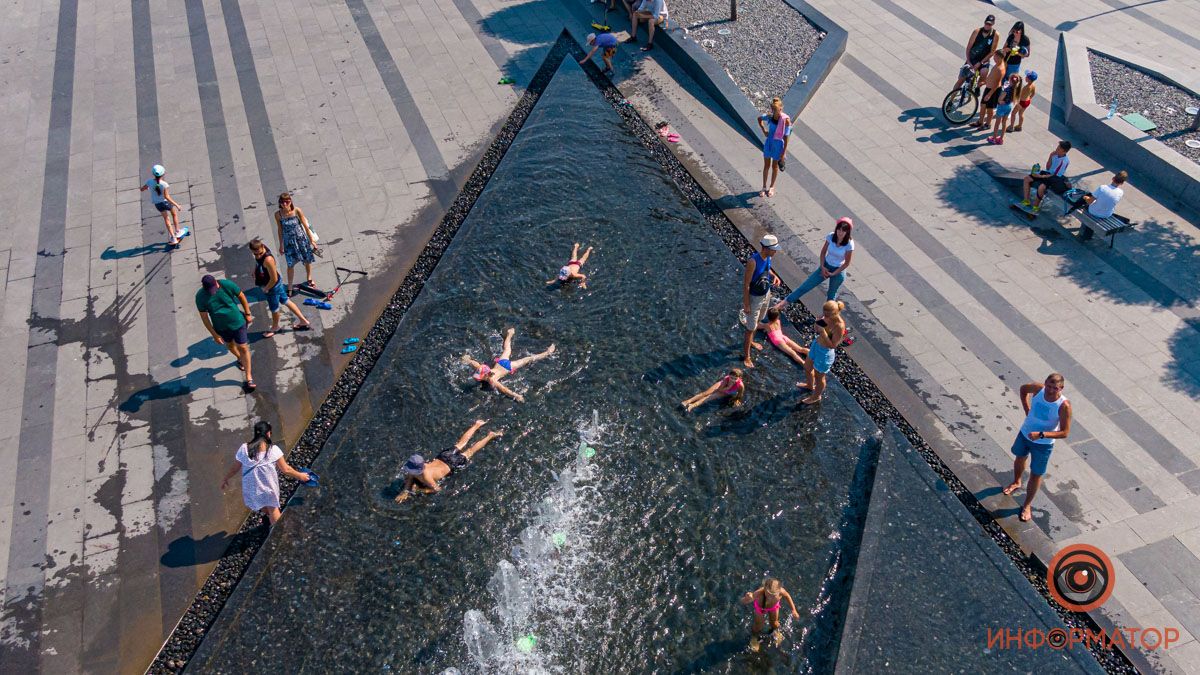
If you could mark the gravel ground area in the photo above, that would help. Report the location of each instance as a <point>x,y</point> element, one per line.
<point>1160,102</point>
<point>765,49</point>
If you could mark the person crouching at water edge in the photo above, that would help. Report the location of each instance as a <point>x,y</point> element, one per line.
<point>423,476</point>
<point>261,462</point>
<point>731,387</point>
<point>1047,417</point>
<point>831,329</point>
<point>489,376</point>
<point>767,600</point>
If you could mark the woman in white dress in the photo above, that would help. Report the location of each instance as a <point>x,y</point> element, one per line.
<point>261,462</point>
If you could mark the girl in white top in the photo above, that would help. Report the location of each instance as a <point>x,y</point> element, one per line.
<point>260,463</point>
<point>836,255</point>
<point>160,196</point>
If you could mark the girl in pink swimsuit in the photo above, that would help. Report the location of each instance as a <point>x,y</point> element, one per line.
<point>774,328</point>
<point>730,387</point>
<point>767,599</point>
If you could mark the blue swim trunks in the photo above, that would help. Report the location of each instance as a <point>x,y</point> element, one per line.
<point>1040,451</point>
<point>505,364</point>
<point>277,296</point>
<point>822,358</point>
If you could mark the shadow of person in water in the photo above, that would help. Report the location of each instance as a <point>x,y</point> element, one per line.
<point>204,378</point>
<point>744,421</point>
<point>714,654</point>
<point>188,552</point>
<point>690,365</point>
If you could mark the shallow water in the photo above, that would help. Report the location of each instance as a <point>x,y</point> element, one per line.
<point>631,560</point>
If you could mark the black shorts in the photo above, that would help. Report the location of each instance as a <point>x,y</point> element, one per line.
<point>163,206</point>
<point>1058,184</point>
<point>453,458</point>
<point>237,335</point>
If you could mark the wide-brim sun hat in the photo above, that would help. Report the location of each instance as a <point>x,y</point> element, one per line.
<point>158,170</point>
<point>770,241</point>
<point>415,465</point>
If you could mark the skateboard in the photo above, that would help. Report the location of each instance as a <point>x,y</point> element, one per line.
<point>1026,211</point>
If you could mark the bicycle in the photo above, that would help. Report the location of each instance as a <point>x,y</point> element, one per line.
<point>961,104</point>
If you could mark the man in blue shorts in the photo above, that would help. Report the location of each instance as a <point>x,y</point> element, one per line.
<point>605,41</point>
<point>1047,417</point>
<point>226,314</point>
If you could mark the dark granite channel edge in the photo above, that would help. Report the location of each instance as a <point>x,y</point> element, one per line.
<point>1144,156</point>
<point>711,75</point>
<point>187,635</point>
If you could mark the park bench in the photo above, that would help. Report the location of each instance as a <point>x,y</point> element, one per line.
<point>1109,226</point>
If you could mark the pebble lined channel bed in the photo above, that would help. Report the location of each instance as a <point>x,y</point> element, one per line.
<point>765,49</point>
<point>1161,102</point>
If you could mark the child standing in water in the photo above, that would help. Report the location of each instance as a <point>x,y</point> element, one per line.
<point>774,328</point>
<point>831,330</point>
<point>767,600</point>
<point>570,272</point>
<point>729,387</point>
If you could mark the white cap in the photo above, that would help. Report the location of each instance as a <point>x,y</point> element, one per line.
<point>591,38</point>
<point>770,241</point>
<point>158,170</point>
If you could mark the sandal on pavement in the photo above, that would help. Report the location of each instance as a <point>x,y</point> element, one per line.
<point>673,138</point>
<point>249,386</point>
<point>269,333</point>
<point>302,327</point>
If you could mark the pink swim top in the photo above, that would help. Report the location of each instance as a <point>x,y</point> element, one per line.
<point>731,388</point>
<point>758,609</point>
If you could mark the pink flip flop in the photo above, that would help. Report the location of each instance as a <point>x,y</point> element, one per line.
<point>672,138</point>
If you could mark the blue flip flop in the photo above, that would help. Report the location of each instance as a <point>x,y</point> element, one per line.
<point>313,479</point>
<point>350,341</point>
<point>317,303</point>
<point>349,349</point>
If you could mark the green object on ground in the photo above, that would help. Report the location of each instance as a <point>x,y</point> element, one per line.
<point>559,539</point>
<point>1140,122</point>
<point>506,80</point>
<point>526,643</point>
<point>589,452</point>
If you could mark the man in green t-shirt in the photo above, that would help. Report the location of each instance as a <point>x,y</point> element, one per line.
<point>226,314</point>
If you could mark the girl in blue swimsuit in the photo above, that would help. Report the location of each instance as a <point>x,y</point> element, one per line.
<point>489,376</point>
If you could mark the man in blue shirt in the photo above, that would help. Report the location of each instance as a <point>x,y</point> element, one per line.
<point>607,42</point>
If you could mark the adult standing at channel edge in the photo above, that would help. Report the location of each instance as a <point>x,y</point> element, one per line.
<point>226,314</point>
<point>756,293</point>
<point>295,240</point>
<point>836,254</point>
<point>1017,47</point>
<point>1047,418</point>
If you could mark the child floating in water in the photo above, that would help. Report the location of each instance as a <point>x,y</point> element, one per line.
<point>731,386</point>
<point>767,600</point>
<point>570,272</point>
<point>490,375</point>
<point>774,328</point>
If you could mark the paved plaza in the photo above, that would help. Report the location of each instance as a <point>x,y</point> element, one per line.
<point>120,414</point>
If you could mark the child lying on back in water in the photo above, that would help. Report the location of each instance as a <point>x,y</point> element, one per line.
<point>570,272</point>
<point>490,375</point>
<point>729,387</point>
<point>774,329</point>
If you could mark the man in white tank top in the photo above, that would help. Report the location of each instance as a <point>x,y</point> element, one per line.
<point>1047,417</point>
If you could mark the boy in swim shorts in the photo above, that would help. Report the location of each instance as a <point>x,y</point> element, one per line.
<point>423,476</point>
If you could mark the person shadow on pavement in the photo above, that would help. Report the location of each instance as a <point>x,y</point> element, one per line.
<point>188,552</point>
<point>204,378</point>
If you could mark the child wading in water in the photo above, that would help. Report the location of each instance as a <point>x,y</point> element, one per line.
<point>490,375</point>
<point>767,600</point>
<point>831,330</point>
<point>570,272</point>
<point>777,127</point>
<point>774,328</point>
<point>731,386</point>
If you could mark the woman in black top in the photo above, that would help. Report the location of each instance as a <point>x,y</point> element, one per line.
<point>1017,47</point>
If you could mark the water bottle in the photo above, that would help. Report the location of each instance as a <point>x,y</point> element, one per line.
<point>1112,109</point>
<point>1036,168</point>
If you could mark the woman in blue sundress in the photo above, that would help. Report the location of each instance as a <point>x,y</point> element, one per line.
<point>296,240</point>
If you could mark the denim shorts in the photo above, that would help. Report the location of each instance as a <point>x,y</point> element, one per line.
<point>163,207</point>
<point>277,297</point>
<point>1040,451</point>
<point>821,357</point>
<point>1003,109</point>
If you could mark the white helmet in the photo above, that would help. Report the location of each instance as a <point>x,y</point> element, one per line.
<point>158,170</point>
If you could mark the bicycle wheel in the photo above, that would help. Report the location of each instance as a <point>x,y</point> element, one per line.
<point>959,108</point>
